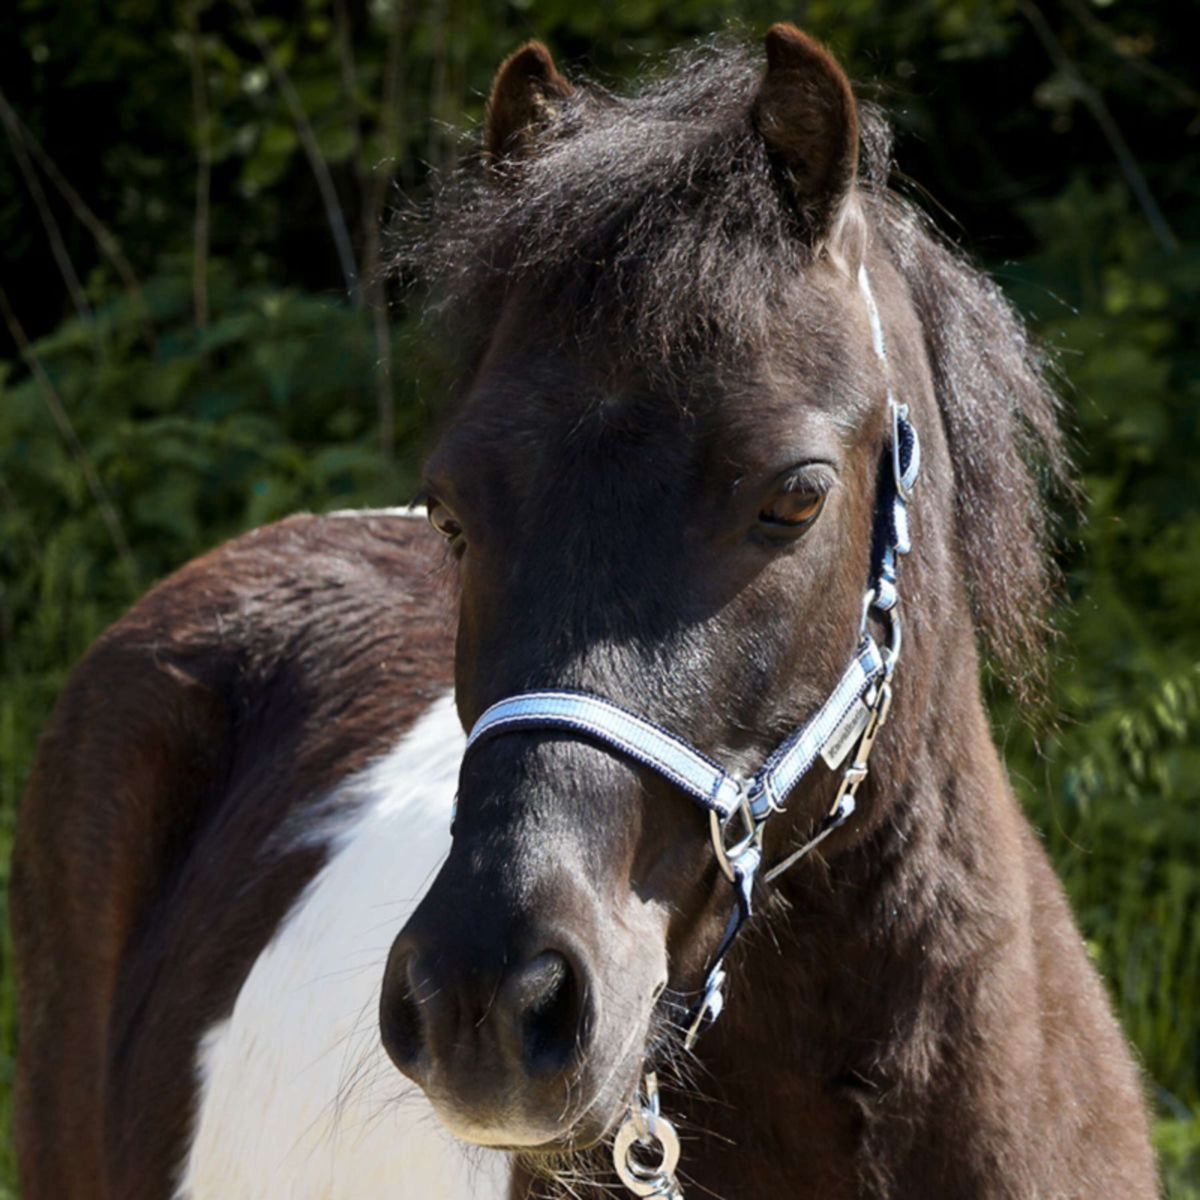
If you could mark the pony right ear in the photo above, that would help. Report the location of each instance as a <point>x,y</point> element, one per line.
<point>805,112</point>
<point>524,101</point>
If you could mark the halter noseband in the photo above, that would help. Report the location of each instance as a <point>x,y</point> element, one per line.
<point>739,807</point>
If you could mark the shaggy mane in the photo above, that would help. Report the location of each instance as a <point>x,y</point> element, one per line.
<point>659,225</point>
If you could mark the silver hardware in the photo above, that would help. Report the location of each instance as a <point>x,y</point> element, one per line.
<point>773,806</point>
<point>892,653</point>
<point>868,600</point>
<point>854,775</point>
<point>844,802</point>
<point>727,855</point>
<point>645,1117</point>
<point>645,1127</point>
<point>710,1005</point>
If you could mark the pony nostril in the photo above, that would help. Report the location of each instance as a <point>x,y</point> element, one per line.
<point>400,1024</point>
<point>547,1002</point>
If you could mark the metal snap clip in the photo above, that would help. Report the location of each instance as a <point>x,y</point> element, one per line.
<point>728,855</point>
<point>640,1177</point>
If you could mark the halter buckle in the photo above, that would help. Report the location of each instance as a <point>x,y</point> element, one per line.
<point>727,856</point>
<point>856,772</point>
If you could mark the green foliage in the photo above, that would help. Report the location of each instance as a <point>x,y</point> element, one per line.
<point>190,394</point>
<point>1178,1145</point>
<point>1116,789</point>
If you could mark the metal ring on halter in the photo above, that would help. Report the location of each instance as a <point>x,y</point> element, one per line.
<point>892,654</point>
<point>640,1179</point>
<point>728,855</point>
<point>773,805</point>
<point>868,600</point>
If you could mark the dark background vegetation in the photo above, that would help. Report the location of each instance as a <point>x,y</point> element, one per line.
<point>194,340</point>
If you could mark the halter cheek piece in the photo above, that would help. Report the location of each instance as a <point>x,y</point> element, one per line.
<point>740,807</point>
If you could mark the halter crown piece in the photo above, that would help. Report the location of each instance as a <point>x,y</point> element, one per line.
<point>739,807</point>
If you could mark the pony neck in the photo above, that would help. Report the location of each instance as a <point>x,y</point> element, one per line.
<point>845,981</point>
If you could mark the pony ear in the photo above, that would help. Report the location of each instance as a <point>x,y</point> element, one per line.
<point>805,112</point>
<point>523,102</point>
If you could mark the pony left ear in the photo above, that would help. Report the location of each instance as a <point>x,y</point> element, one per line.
<point>523,101</point>
<point>806,114</point>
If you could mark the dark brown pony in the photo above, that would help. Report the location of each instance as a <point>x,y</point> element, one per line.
<point>660,486</point>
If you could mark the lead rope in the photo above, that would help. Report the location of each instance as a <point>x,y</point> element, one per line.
<point>645,1134</point>
<point>646,1147</point>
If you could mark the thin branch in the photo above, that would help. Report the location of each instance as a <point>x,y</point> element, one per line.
<point>384,172</point>
<point>385,401</point>
<point>438,151</point>
<point>66,429</point>
<point>345,45</point>
<point>316,160</point>
<point>1094,26</point>
<point>393,97</point>
<point>1094,102</point>
<point>200,118</point>
<point>373,192</point>
<point>105,238</point>
<point>49,222</point>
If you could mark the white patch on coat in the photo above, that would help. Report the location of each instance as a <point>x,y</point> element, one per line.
<point>297,1098</point>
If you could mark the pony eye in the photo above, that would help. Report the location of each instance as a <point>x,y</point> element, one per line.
<point>793,511</point>
<point>443,520</point>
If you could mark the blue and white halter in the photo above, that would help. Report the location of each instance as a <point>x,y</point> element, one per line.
<point>739,807</point>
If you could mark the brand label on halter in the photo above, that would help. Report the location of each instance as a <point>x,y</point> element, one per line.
<point>845,735</point>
